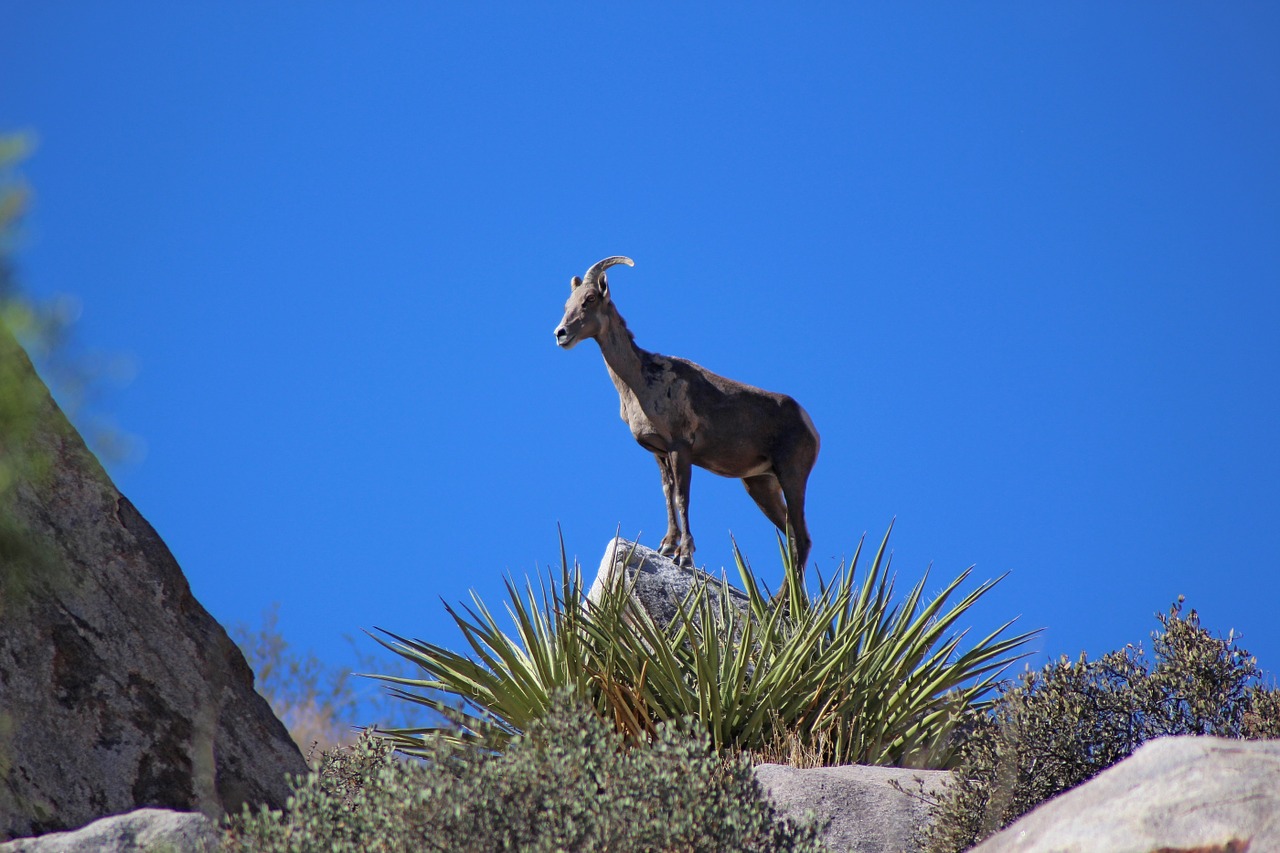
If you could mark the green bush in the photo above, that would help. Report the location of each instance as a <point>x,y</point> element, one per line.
<point>1071,720</point>
<point>566,784</point>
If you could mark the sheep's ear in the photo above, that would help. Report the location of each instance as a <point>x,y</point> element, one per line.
<point>603,286</point>
<point>575,283</point>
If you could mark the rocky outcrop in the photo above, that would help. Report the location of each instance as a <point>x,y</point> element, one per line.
<point>1174,794</point>
<point>143,831</point>
<point>118,690</point>
<point>659,583</point>
<point>867,813</point>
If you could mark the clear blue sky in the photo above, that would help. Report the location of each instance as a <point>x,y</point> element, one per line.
<point>1021,263</point>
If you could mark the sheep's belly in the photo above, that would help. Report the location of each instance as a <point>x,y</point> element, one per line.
<point>747,468</point>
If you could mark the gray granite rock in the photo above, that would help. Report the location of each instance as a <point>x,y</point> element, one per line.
<point>1177,794</point>
<point>118,690</point>
<point>141,831</point>
<point>660,584</point>
<point>867,813</point>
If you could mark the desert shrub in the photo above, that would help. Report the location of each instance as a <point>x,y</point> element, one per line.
<point>1062,725</point>
<point>853,674</point>
<point>566,784</point>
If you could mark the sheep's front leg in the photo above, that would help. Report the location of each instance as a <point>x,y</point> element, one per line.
<point>680,460</point>
<point>671,541</point>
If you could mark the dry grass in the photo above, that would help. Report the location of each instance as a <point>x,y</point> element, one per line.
<point>800,752</point>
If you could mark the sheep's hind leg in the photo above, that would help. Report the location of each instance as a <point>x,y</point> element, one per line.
<point>767,493</point>
<point>793,488</point>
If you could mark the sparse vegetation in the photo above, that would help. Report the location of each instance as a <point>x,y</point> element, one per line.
<point>1062,725</point>
<point>313,700</point>
<point>322,706</point>
<point>568,783</point>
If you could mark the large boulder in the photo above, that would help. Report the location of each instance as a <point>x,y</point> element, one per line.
<point>659,584</point>
<point>143,831</point>
<point>1174,793</point>
<point>117,689</point>
<point>869,809</point>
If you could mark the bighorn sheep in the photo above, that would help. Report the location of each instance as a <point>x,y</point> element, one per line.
<point>686,415</point>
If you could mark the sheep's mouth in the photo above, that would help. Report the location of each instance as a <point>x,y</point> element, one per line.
<point>566,341</point>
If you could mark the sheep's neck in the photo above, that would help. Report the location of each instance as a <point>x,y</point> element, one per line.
<point>622,357</point>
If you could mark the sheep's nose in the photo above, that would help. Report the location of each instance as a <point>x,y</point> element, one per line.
<point>561,333</point>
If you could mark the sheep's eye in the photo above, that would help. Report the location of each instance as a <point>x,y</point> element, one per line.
<point>591,298</point>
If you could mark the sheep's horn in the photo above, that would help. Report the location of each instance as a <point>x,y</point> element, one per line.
<point>600,266</point>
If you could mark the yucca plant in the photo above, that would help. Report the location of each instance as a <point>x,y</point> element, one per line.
<point>512,678</point>
<point>848,674</point>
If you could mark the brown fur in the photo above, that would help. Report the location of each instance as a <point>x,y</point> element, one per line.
<point>686,415</point>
